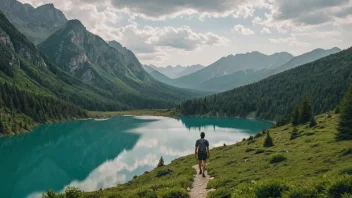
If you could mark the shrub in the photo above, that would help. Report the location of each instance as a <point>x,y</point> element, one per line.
<point>220,193</point>
<point>346,171</point>
<point>250,138</point>
<point>341,187</point>
<point>346,195</point>
<point>347,151</point>
<point>305,192</point>
<point>49,194</point>
<point>294,133</point>
<point>268,142</point>
<point>312,122</point>
<point>175,193</point>
<point>147,194</point>
<point>337,109</point>
<point>162,173</point>
<point>277,158</point>
<point>249,149</point>
<point>258,151</point>
<point>270,189</point>
<point>72,192</point>
<point>258,135</point>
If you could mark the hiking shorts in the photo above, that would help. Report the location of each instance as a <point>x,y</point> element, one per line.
<point>202,156</point>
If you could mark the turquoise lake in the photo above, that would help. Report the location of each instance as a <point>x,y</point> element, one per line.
<point>94,154</point>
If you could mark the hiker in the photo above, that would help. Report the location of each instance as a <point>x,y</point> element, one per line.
<point>202,152</point>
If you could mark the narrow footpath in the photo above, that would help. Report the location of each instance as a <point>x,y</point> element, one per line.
<point>199,185</point>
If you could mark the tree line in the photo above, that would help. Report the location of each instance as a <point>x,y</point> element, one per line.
<point>325,81</point>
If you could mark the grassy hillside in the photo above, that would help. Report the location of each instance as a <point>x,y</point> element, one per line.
<point>313,165</point>
<point>325,81</point>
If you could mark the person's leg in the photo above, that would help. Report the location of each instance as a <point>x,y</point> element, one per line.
<point>200,166</point>
<point>203,166</point>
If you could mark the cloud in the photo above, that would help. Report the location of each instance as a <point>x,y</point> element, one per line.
<point>162,8</point>
<point>265,31</point>
<point>156,43</point>
<point>240,29</point>
<point>291,41</point>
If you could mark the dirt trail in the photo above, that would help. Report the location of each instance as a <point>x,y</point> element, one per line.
<point>199,185</point>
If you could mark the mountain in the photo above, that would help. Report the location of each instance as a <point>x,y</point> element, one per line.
<point>248,76</point>
<point>115,70</point>
<point>306,58</point>
<point>175,71</point>
<point>36,23</point>
<point>231,64</point>
<point>32,89</point>
<point>325,81</point>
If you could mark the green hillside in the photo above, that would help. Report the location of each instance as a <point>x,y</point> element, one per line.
<point>325,81</point>
<point>313,164</point>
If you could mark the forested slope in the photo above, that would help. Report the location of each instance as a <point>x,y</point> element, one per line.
<point>324,81</point>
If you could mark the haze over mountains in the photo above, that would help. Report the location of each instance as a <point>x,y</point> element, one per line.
<point>241,69</point>
<point>174,71</point>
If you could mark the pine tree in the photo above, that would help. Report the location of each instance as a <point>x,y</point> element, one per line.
<point>295,116</point>
<point>337,109</point>
<point>312,122</point>
<point>161,162</point>
<point>268,142</point>
<point>306,111</point>
<point>294,133</point>
<point>345,122</point>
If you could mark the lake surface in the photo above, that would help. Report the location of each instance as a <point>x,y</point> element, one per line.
<point>94,154</point>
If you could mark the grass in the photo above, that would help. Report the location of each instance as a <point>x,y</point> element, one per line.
<point>313,165</point>
<point>152,112</point>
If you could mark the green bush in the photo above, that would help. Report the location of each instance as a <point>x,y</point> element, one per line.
<point>312,122</point>
<point>270,189</point>
<point>301,192</point>
<point>340,187</point>
<point>346,171</point>
<point>277,158</point>
<point>175,193</point>
<point>72,192</point>
<point>258,151</point>
<point>258,135</point>
<point>250,138</point>
<point>346,195</point>
<point>249,149</point>
<point>294,133</point>
<point>220,193</point>
<point>147,194</point>
<point>162,173</point>
<point>347,151</point>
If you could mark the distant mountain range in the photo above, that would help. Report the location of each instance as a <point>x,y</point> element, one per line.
<point>36,23</point>
<point>173,72</point>
<point>325,81</point>
<point>241,69</point>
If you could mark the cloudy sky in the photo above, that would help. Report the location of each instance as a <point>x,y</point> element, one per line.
<point>185,32</point>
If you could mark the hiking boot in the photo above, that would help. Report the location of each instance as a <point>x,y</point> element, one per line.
<point>203,175</point>
<point>200,171</point>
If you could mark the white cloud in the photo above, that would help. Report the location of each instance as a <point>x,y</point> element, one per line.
<point>158,42</point>
<point>291,41</point>
<point>265,31</point>
<point>240,29</point>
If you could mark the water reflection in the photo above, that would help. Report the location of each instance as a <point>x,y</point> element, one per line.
<point>98,154</point>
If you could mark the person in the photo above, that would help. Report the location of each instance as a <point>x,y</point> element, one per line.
<point>202,152</point>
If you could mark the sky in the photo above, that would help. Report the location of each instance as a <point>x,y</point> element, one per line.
<point>187,32</point>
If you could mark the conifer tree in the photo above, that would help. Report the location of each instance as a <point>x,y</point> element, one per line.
<point>306,111</point>
<point>295,116</point>
<point>161,162</point>
<point>294,133</point>
<point>312,122</point>
<point>268,142</point>
<point>345,122</point>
